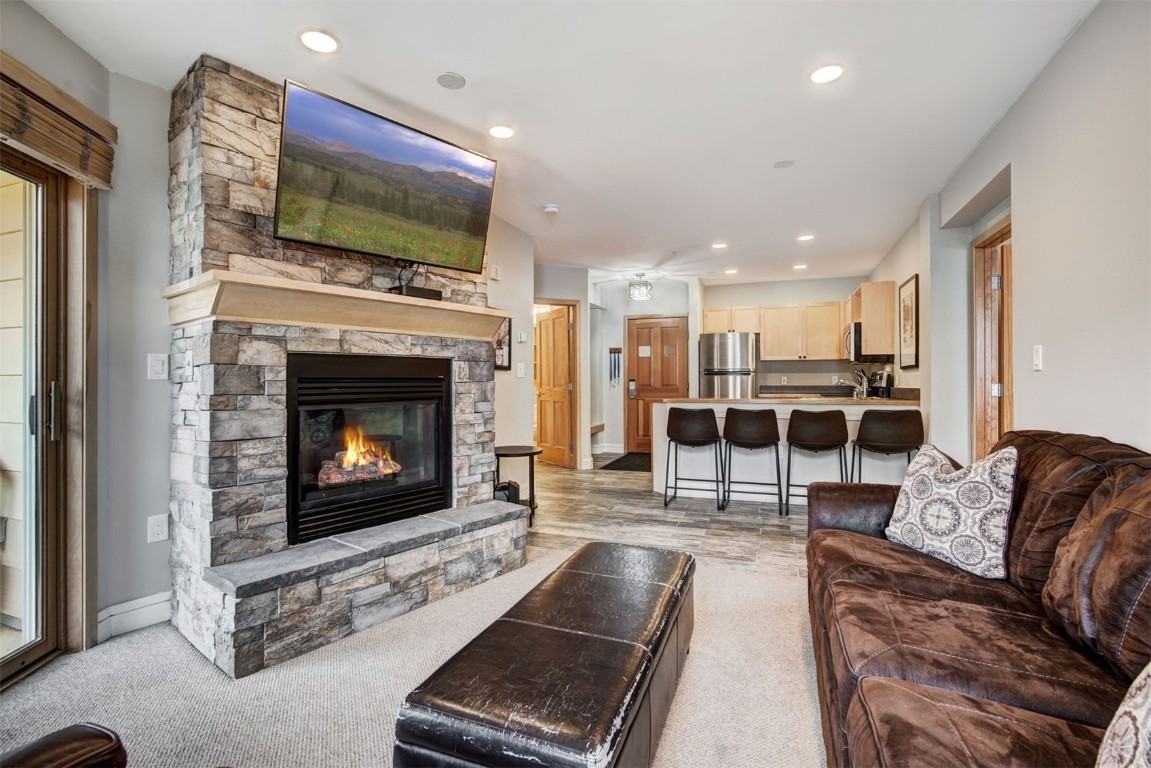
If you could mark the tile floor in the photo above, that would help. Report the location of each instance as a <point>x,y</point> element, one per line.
<point>576,507</point>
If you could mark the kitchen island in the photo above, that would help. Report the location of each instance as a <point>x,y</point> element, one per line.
<point>759,466</point>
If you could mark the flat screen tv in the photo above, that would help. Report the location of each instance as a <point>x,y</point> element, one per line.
<point>353,180</point>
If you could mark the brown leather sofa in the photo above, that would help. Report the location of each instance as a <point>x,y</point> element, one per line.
<point>921,663</point>
<point>84,745</point>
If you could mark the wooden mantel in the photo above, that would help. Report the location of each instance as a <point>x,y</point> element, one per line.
<point>224,295</point>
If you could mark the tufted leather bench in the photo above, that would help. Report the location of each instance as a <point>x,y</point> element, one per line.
<point>580,672</point>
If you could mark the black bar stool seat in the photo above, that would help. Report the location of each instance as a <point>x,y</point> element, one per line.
<point>752,430</point>
<point>887,432</point>
<point>695,428</point>
<point>818,432</point>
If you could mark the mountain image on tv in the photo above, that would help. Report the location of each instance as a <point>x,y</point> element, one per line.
<point>353,180</point>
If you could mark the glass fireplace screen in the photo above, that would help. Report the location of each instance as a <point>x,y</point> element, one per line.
<point>367,448</point>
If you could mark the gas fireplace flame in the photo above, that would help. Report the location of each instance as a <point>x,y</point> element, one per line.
<point>360,451</point>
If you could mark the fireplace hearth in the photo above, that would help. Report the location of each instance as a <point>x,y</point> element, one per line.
<point>368,441</point>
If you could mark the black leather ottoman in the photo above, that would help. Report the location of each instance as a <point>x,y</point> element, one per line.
<point>580,672</point>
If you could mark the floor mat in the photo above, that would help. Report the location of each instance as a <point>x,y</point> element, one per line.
<point>631,462</point>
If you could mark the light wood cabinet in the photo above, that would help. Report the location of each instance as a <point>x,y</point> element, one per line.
<point>731,319</point>
<point>822,331</point>
<point>801,331</point>
<point>873,306</point>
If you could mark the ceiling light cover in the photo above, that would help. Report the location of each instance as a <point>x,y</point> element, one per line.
<point>639,289</point>
<point>319,41</point>
<point>502,131</point>
<point>805,238</point>
<point>827,74</point>
<point>800,266</point>
<point>719,245</point>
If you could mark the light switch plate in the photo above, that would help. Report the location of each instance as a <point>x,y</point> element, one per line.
<point>521,370</point>
<point>521,337</point>
<point>1037,358</point>
<point>158,367</point>
<point>497,272</point>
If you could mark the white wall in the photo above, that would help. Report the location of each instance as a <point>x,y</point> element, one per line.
<point>1078,143</point>
<point>572,284</point>
<point>134,437</point>
<point>514,252</point>
<point>670,298</point>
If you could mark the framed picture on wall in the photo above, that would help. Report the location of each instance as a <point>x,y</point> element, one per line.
<point>909,323</point>
<point>503,345</point>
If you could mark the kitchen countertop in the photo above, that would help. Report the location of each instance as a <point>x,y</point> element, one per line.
<point>791,399</point>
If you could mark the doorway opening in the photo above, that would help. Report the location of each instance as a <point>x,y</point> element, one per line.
<point>993,404</point>
<point>556,378</point>
<point>31,414</point>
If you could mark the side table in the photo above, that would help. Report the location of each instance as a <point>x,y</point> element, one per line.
<point>521,451</point>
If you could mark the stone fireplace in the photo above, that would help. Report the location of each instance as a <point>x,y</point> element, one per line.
<point>286,359</point>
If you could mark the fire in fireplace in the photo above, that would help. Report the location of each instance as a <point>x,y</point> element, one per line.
<point>371,441</point>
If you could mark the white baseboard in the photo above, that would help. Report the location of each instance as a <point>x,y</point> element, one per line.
<point>132,615</point>
<point>610,448</point>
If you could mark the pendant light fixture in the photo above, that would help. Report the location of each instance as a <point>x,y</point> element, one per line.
<point>639,289</point>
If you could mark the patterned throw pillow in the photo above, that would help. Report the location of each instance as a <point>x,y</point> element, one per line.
<point>1127,743</point>
<point>957,515</point>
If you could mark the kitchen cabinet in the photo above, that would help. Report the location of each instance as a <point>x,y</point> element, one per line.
<point>801,331</point>
<point>873,306</point>
<point>731,319</point>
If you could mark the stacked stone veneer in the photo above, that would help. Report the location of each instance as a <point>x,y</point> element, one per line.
<point>229,423</point>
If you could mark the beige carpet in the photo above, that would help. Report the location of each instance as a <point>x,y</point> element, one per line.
<point>747,696</point>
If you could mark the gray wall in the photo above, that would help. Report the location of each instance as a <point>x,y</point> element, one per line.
<point>133,460</point>
<point>571,283</point>
<point>1078,143</point>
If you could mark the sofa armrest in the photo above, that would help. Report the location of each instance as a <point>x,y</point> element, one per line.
<point>84,745</point>
<point>861,507</point>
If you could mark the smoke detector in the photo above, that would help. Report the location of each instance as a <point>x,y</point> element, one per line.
<point>451,81</point>
<point>551,209</point>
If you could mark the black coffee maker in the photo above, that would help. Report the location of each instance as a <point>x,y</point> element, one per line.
<point>879,384</point>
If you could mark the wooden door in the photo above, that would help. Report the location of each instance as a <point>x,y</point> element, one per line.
<point>717,320</point>
<point>656,360</point>
<point>554,387</point>
<point>779,336</point>
<point>993,406</point>
<point>821,331</point>
<point>745,319</point>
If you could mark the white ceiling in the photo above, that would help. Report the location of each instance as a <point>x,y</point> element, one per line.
<point>654,126</point>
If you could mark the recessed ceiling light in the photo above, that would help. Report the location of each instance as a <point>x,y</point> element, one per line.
<point>783,164</point>
<point>805,238</point>
<point>827,74</point>
<point>502,131</point>
<point>719,245</point>
<point>451,81</point>
<point>319,41</point>
<point>730,271</point>
<point>800,266</point>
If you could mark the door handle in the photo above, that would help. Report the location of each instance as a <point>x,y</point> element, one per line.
<point>631,389</point>
<point>53,412</point>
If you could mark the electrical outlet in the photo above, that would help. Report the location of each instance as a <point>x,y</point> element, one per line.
<point>157,528</point>
<point>834,379</point>
<point>782,379</point>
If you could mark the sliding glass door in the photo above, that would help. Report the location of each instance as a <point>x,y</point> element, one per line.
<point>30,426</point>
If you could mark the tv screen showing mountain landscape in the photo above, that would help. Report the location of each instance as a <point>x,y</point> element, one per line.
<point>357,181</point>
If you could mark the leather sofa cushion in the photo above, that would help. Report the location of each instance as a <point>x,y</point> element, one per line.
<point>522,694</point>
<point>1006,656</point>
<point>895,723</point>
<point>1057,473</point>
<point>1100,585</point>
<point>835,555</point>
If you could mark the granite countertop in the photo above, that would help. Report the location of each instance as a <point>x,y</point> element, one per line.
<point>790,399</point>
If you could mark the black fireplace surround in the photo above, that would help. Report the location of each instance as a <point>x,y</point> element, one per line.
<point>369,441</point>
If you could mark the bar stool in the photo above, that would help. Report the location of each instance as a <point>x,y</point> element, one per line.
<point>815,431</point>
<point>752,430</point>
<point>695,428</point>
<point>887,432</point>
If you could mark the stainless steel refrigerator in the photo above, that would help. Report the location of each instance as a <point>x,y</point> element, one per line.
<point>727,365</point>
